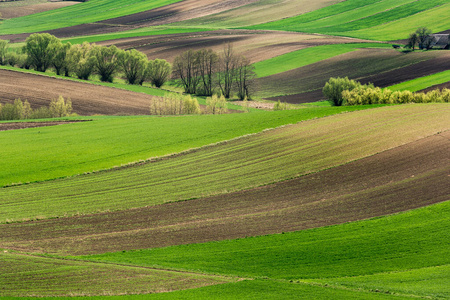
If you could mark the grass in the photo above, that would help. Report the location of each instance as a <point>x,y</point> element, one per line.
<point>303,57</point>
<point>24,275</point>
<point>86,12</point>
<point>146,31</point>
<point>347,254</point>
<point>255,160</point>
<point>106,142</point>
<point>422,82</point>
<point>356,19</point>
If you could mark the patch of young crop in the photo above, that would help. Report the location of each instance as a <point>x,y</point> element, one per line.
<point>239,164</point>
<point>86,12</point>
<point>422,82</point>
<point>304,57</point>
<point>425,282</point>
<point>112,141</point>
<point>24,275</point>
<point>396,243</point>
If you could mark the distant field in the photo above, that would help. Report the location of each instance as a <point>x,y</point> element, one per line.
<point>378,20</point>
<point>24,275</point>
<point>86,12</point>
<point>303,57</point>
<point>422,82</point>
<point>256,160</point>
<point>377,249</point>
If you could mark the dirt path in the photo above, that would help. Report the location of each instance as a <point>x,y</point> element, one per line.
<point>87,99</point>
<point>400,179</point>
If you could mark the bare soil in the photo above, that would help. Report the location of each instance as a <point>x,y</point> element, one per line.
<point>441,86</point>
<point>23,125</point>
<point>15,12</point>
<point>87,99</point>
<point>400,179</point>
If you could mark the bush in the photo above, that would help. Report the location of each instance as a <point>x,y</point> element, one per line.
<point>133,64</point>
<point>158,72</point>
<point>105,62</point>
<point>60,108</point>
<point>41,49</point>
<point>80,61</point>
<point>280,106</point>
<point>216,105</point>
<point>3,51</point>
<point>175,104</point>
<point>335,86</point>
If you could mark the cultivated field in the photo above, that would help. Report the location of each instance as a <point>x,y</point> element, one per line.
<point>316,202</point>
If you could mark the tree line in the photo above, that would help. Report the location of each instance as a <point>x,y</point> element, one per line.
<point>43,51</point>
<point>205,73</point>
<point>20,110</point>
<point>344,91</point>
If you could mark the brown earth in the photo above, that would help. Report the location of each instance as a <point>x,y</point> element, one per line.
<point>23,125</point>
<point>87,99</point>
<point>15,12</point>
<point>255,45</point>
<point>403,178</point>
<point>441,86</point>
<point>379,66</point>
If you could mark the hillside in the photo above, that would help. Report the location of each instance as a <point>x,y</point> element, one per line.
<point>311,201</point>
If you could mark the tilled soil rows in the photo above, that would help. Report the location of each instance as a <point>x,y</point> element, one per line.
<point>400,179</point>
<point>87,99</point>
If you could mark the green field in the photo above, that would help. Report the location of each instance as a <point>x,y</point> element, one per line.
<point>340,255</point>
<point>256,160</point>
<point>304,57</point>
<point>86,12</point>
<point>378,20</point>
<point>422,82</point>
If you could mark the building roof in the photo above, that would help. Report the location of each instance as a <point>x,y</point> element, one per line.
<point>441,41</point>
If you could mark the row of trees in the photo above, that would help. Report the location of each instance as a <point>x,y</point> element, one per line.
<point>22,110</point>
<point>205,72</point>
<point>344,91</point>
<point>44,51</point>
<point>178,104</point>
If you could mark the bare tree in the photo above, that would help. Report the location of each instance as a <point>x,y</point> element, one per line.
<point>227,70</point>
<point>185,68</point>
<point>245,76</point>
<point>207,63</point>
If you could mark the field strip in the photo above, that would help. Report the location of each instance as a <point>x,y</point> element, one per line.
<point>244,163</point>
<point>422,82</point>
<point>25,275</point>
<point>421,282</point>
<point>403,178</point>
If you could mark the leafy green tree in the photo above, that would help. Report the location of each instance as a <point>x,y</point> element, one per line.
<point>60,61</point>
<point>80,61</point>
<point>158,72</point>
<point>412,41</point>
<point>60,107</point>
<point>424,37</point>
<point>3,52</point>
<point>105,61</point>
<point>216,105</point>
<point>133,63</point>
<point>41,49</point>
<point>335,86</point>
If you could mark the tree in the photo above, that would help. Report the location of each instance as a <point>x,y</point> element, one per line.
<point>424,37</point>
<point>245,75</point>
<point>158,72</point>
<point>185,68</point>
<point>3,51</point>
<point>60,60</point>
<point>60,107</point>
<point>207,64</point>
<point>227,70</point>
<point>133,64</point>
<point>412,41</point>
<point>216,105</point>
<point>105,61</point>
<point>80,61</point>
<point>335,86</point>
<point>41,49</point>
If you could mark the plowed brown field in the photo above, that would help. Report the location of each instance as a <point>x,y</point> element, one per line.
<point>87,99</point>
<point>403,178</point>
<point>15,12</point>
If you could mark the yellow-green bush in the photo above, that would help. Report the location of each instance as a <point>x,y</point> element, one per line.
<point>175,104</point>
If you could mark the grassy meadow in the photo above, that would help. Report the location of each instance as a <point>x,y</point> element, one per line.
<point>178,198</point>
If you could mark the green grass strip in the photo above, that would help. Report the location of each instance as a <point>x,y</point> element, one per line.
<point>304,57</point>
<point>243,163</point>
<point>156,30</point>
<point>82,13</point>
<point>413,240</point>
<point>422,82</point>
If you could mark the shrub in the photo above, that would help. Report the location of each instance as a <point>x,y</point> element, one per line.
<point>335,86</point>
<point>105,62</point>
<point>41,49</point>
<point>133,64</point>
<point>216,105</point>
<point>80,60</point>
<point>3,51</point>
<point>12,58</point>
<point>60,108</point>
<point>174,104</point>
<point>280,106</point>
<point>158,72</point>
